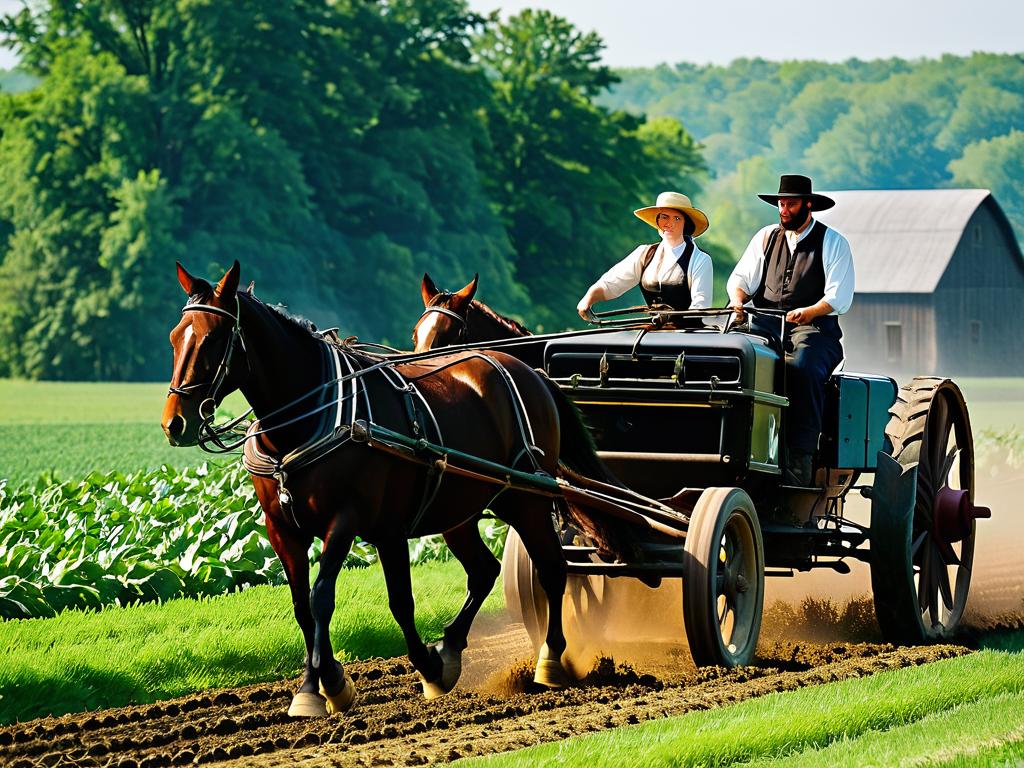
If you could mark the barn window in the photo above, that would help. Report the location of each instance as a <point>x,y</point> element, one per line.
<point>975,332</point>
<point>894,342</point>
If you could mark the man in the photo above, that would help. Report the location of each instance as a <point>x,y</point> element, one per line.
<point>805,268</point>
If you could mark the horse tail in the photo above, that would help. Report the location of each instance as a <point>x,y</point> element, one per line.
<point>577,461</point>
<point>577,451</point>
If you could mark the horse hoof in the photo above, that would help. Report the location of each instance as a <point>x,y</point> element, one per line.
<point>550,673</point>
<point>307,705</point>
<point>343,700</point>
<point>451,669</point>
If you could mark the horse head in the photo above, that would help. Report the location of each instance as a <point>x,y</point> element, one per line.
<point>206,343</point>
<point>444,318</point>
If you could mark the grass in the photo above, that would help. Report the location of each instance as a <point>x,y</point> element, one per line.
<point>87,660</point>
<point>929,712</point>
<point>994,403</point>
<point>71,429</point>
<point>66,451</point>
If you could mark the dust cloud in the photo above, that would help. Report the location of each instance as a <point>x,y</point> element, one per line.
<point>643,627</point>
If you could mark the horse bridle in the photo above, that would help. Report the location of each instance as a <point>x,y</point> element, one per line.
<point>448,313</point>
<point>210,401</point>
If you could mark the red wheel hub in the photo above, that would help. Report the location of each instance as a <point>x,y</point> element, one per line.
<point>954,516</point>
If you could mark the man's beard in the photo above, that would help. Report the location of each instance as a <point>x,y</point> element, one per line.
<point>798,219</point>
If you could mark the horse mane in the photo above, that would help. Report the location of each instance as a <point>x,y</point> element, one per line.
<point>510,325</point>
<point>279,310</point>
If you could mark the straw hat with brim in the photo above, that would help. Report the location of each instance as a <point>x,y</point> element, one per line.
<point>794,185</point>
<point>678,202</point>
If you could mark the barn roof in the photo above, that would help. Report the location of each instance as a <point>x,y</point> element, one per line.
<point>902,240</point>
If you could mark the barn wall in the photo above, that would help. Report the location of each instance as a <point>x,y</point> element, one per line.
<point>865,334</point>
<point>979,302</point>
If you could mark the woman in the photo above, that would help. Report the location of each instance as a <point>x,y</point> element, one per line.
<point>674,271</point>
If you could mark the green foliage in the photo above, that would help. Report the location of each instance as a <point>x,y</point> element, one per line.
<point>115,539</point>
<point>996,164</point>
<point>118,539</point>
<point>882,124</point>
<point>564,172</point>
<point>143,653</point>
<point>339,149</point>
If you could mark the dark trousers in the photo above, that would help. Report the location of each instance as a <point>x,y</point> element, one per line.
<point>812,353</point>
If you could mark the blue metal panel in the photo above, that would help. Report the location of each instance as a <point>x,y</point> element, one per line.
<point>863,412</point>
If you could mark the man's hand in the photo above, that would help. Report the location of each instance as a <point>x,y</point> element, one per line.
<point>804,315</point>
<point>801,316</point>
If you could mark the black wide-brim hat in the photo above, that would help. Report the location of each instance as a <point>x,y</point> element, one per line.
<point>794,185</point>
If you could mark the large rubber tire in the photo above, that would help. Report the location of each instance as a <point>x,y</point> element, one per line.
<point>526,601</point>
<point>723,579</point>
<point>920,578</point>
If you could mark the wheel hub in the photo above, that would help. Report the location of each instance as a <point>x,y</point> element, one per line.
<point>954,515</point>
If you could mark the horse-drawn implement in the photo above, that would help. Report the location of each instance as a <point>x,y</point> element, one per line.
<point>351,442</point>
<point>689,409</point>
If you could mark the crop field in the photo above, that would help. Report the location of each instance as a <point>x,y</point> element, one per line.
<point>152,589</point>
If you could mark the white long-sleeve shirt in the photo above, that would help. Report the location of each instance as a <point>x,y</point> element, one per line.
<point>836,257</point>
<point>664,269</point>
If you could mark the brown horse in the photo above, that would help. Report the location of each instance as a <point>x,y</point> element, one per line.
<point>305,390</point>
<point>458,318</point>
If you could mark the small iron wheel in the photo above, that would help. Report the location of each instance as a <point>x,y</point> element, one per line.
<point>723,579</point>
<point>582,612</point>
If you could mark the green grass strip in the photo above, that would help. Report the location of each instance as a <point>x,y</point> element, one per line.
<point>1010,755</point>
<point>959,733</point>
<point>72,451</point>
<point>50,402</point>
<point>78,661</point>
<point>782,725</point>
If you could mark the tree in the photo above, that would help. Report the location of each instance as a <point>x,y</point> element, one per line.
<point>564,173</point>
<point>982,112</point>
<point>332,146</point>
<point>998,165</point>
<point>884,143</point>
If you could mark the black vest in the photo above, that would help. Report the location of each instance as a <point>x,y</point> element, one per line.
<point>675,295</point>
<point>795,279</point>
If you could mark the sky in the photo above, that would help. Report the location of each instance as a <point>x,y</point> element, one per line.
<point>644,33</point>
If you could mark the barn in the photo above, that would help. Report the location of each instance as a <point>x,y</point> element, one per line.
<point>940,283</point>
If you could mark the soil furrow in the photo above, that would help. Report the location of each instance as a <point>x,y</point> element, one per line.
<point>393,725</point>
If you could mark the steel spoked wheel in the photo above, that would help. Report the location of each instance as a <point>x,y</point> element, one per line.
<point>930,430</point>
<point>723,579</point>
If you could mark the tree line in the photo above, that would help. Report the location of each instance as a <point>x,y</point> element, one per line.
<point>884,124</point>
<point>337,149</point>
<point>340,149</point>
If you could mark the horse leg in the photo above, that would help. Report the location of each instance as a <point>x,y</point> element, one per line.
<point>335,685</point>
<point>293,552</point>
<point>531,518</point>
<point>482,569</point>
<point>393,555</point>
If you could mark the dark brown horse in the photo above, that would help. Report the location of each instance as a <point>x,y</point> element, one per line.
<point>458,318</point>
<point>488,405</point>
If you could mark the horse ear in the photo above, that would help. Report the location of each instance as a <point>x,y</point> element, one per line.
<point>466,294</point>
<point>251,288</point>
<point>229,283</point>
<point>186,280</point>
<point>428,289</point>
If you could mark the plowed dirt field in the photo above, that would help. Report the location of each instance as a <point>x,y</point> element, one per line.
<point>391,723</point>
